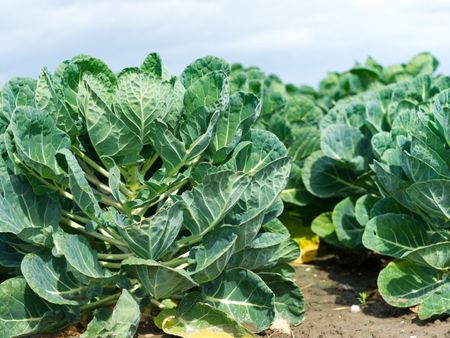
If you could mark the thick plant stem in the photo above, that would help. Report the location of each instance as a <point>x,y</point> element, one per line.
<point>102,171</point>
<point>101,302</point>
<point>110,265</point>
<point>177,261</point>
<point>78,218</point>
<point>114,257</point>
<point>158,304</point>
<point>80,228</point>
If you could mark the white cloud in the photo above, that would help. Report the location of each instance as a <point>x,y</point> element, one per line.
<point>299,40</point>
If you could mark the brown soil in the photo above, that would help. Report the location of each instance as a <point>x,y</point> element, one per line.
<point>331,285</point>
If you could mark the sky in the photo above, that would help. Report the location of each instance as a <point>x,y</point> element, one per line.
<point>299,40</point>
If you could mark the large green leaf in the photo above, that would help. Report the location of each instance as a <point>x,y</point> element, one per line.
<point>260,253</point>
<point>16,92</point>
<point>50,278</point>
<point>48,100</point>
<point>363,207</point>
<point>123,321</point>
<point>79,254</point>
<point>141,98</point>
<point>158,280</point>
<point>152,237</point>
<point>10,255</point>
<point>395,234</point>
<point>289,301</point>
<point>209,202</point>
<point>436,255</point>
<point>69,76</point>
<point>405,284</point>
<point>37,141</point>
<point>342,143</point>
<point>323,226</point>
<point>244,296</point>
<point>324,178</point>
<point>176,153</point>
<point>242,112</point>
<point>437,304</point>
<point>31,217</point>
<point>82,193</point>
<point>348,230</point>
<point>250,212</point>
<point>432,197</point>
<point>110,136</point>
<point>194,318</point>
<point>295,191</point>
<point>23,313</point>
<point>212,255</point>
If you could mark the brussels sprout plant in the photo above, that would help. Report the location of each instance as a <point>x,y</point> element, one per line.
<point>138,190</point>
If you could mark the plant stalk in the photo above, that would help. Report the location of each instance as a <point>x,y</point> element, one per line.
<point>80,228</point>
<point>101,302</point>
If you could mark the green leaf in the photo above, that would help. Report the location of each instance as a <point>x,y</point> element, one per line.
<point>289,301</point>
<point>323,226</point>
<point>363,207</point>
<point>295,191</point>
<point>195,318</point>
<point>78,253</point>
<point>348,230</point>
<point>406,284</point>
<point>342,143</point>
<point>152,237</point>
<point>48,100</point>
<point>264,149</point>
<point>174,152</point>
<point>208,203</point>
<point>16,92</point>
<point>324,178</point>
<point>236,121</point>
<point>437,304</point>
<point>141,98</point>
<point>23,312</point>
<point>37,141</point>
<point>82,193</point>
<point>250,212</point>
<point>307,141</point>
<point>395,234</point>
<point>432,197</point>
<point>51,279</point>
<point>260,253</point>
<point>109,135</point>
<point>123,321</point>
<point>31,217</point>
<point>69,75</point>
<point>436,255</point>
<point>158,280</point>
<point>212,255</point>
<point>10,255</point>
<point>244,296</point>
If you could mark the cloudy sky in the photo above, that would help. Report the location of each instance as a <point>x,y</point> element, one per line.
<point>300,40</point>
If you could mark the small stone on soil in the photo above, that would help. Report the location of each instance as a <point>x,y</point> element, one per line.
<point>355,308</point>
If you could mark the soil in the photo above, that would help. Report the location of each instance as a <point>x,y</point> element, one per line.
<point>331,285</point>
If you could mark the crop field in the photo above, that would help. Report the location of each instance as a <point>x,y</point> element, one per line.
<point>222,202</point>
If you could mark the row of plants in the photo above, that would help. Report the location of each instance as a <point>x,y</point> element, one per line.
<point>140,193</point>
<point>149,191</point>
<point>371,169</point>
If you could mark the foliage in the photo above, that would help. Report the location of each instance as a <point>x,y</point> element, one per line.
<point>139,187</point>
<point>413,173</point>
